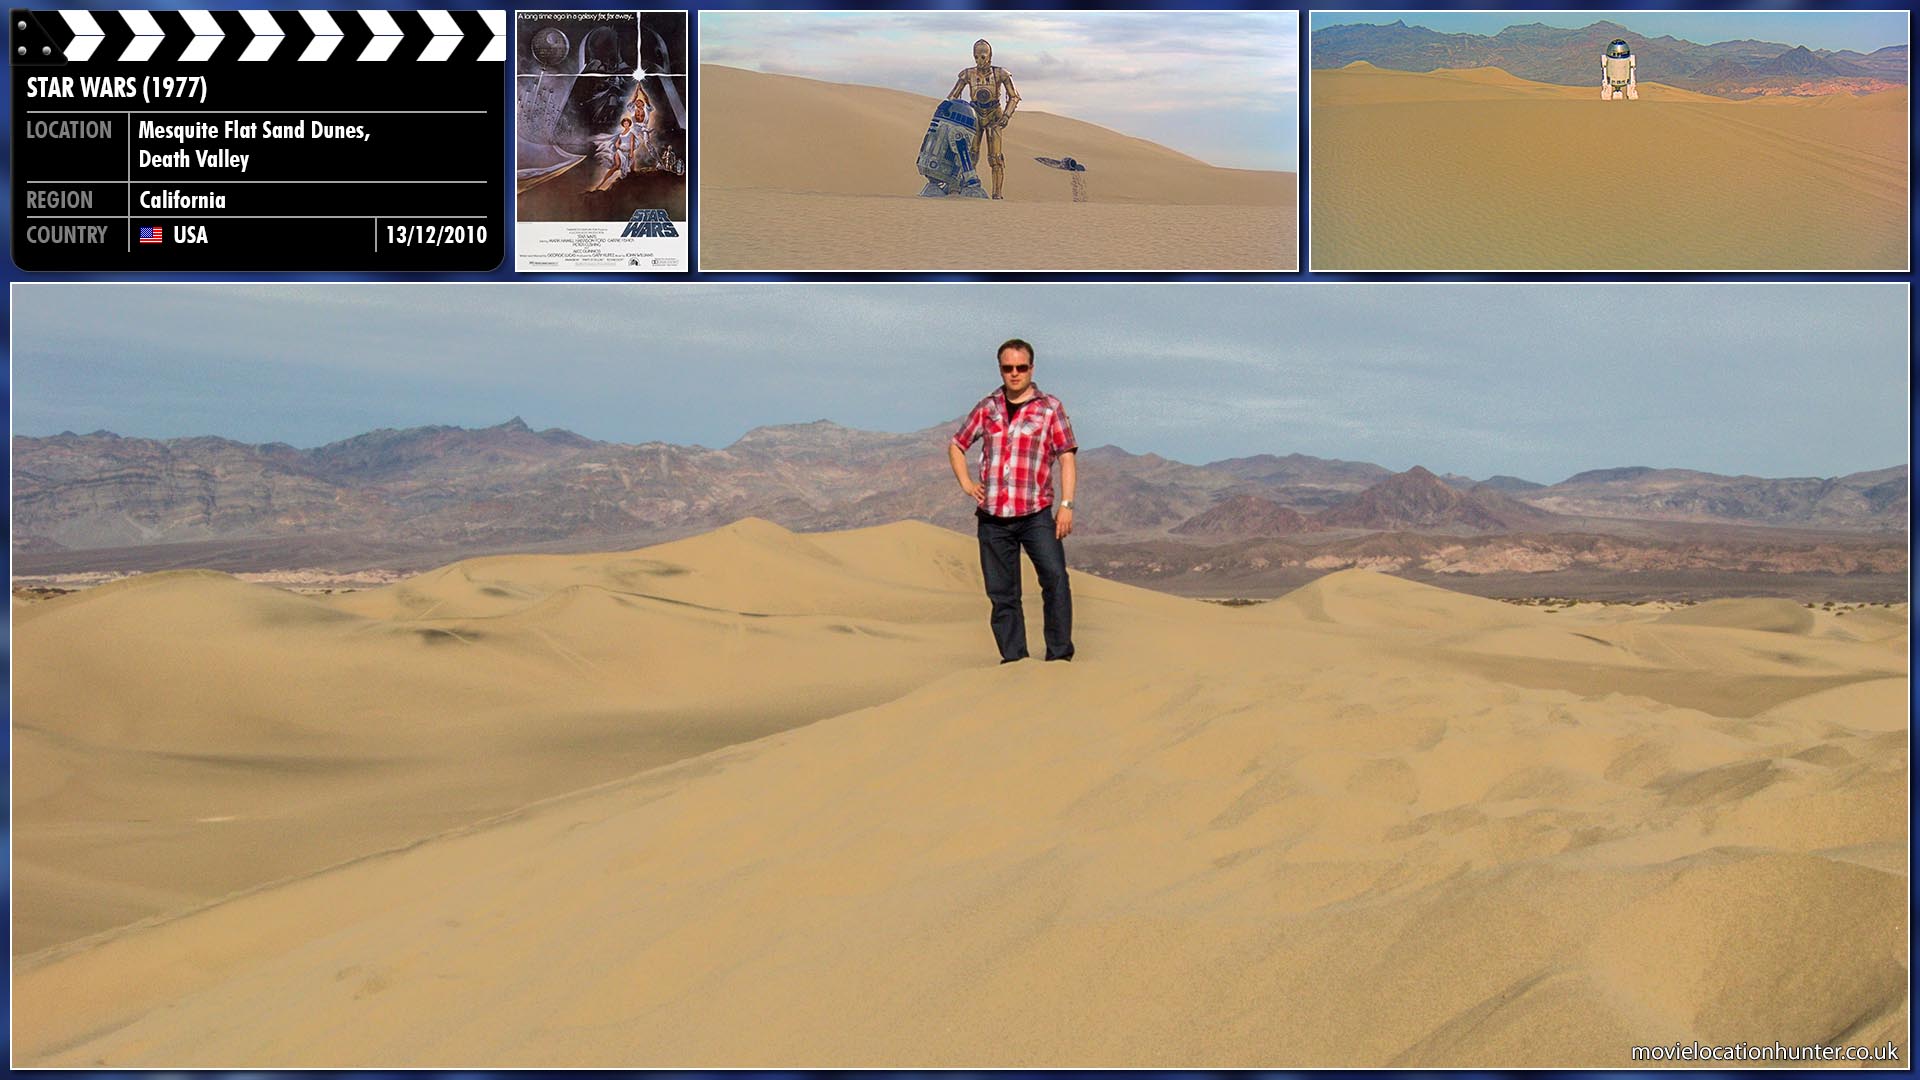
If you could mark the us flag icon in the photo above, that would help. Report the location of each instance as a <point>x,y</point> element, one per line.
<point>150,235</point>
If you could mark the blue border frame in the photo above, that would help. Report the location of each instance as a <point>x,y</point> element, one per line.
<point>694,7</point>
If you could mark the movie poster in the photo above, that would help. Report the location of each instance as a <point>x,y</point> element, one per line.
<point>601,118</point>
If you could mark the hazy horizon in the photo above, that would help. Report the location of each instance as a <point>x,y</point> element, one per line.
<point>541,428</point>
<point>1859,31</point>
<point>1536,381</point>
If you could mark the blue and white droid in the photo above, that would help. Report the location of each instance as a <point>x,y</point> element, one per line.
<point>946,154</point>
<point>1617,77</point>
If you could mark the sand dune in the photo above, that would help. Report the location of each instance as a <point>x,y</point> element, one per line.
<point>1372,823</point>
<point>1480,170</point>
<point>1779,616</point>
<point>802,174</point>
<point>167,720</point>
<point>1375,602</point>
<point>1383,86</point>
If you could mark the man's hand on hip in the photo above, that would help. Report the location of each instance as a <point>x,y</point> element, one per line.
<point>975,489</point>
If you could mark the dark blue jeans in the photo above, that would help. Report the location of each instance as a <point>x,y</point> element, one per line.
<point>1000,542</point>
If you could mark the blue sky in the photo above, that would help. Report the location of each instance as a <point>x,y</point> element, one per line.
<point>1861,31</point>
<point>1219,86</point>
<point>1538,381</point>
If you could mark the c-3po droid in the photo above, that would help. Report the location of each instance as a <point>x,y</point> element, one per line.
<point>982,84</point>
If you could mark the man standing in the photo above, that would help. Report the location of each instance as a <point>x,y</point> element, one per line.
<point>1024,431</point>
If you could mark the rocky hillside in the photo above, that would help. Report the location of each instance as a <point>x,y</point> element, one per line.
<point>1417,500</point>
<point>1873,499</point>
<point>456,489</point>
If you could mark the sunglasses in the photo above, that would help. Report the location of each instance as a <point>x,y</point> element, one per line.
<point>1008,369</point>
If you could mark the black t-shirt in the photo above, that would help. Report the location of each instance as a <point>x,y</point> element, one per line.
<point>1014,407</point>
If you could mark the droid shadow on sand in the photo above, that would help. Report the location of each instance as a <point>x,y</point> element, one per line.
<point>572,163</point>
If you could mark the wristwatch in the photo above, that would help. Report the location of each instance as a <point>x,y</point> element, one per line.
<point>1066,504</point>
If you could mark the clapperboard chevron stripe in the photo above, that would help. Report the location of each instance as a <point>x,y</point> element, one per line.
<point>277,36</point>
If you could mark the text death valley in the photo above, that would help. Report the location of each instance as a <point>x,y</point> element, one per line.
<point>195,159</point>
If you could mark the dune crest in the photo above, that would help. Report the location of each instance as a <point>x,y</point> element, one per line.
<point>1777,616</point>
<point>1369,600</point>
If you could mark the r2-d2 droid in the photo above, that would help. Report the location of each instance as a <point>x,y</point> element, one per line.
<point>1616,73</point>
<point>946,154</point>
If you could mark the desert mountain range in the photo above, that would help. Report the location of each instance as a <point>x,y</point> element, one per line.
<point>1733,69</point>
<point>88,502</point>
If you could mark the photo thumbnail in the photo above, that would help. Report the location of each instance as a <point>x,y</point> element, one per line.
<point>998,141</point>
<point>1130,675</point>
<point>1622,141</point>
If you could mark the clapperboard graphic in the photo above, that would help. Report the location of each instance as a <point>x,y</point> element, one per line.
<point>209,140</point>
<point>162,37</point>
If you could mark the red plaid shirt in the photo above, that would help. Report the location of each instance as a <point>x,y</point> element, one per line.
<point>1016,465</point>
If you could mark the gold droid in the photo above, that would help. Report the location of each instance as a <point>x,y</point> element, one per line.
<point>980,84</point>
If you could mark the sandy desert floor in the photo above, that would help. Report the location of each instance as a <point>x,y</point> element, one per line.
<point>1370,823</point>
<point>806,175</point>
<point>1480,170</point>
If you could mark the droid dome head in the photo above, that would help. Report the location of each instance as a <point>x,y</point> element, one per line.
<point>1619,49</point>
